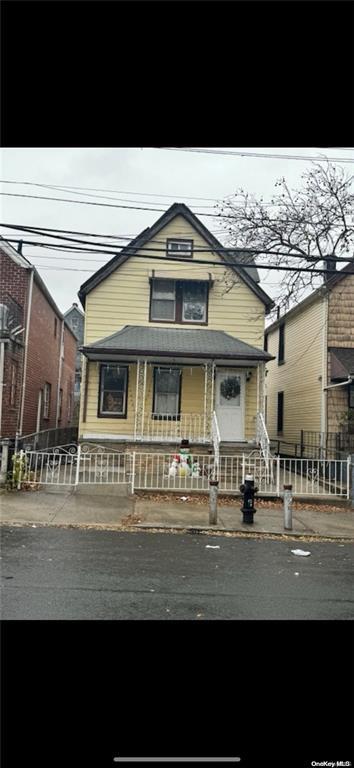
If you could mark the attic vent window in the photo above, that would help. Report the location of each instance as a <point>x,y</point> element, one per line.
<point>180,248</point>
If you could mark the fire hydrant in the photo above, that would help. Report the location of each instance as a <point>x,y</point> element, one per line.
<point>248,489</point>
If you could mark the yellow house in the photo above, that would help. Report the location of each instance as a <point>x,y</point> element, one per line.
<point>173,345</point>
<point>310,379</point>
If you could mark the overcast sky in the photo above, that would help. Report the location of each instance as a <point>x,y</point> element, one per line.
<point>138,177</point>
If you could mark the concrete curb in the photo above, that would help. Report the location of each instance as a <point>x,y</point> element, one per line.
<point>155,528</point>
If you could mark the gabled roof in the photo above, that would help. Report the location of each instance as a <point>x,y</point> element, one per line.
<point>318,293</point>
<point>177,209</point>
<point>180,342</point>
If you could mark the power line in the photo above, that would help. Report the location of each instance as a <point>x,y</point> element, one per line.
<point>258,154</point>
<point>68,188</point>
<point>198,262</point>
<point>117,191</point>
<point>134,247</point>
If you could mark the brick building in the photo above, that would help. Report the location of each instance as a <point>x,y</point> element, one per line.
<point>37,351</point>
<point>76,319</point>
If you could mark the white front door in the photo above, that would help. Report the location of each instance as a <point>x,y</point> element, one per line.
<point>229,404</point>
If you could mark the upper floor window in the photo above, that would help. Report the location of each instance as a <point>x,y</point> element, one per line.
<point>181,248</point>
<point>46,403</point>
<point>60,404</point>
<point>281,344</point>
<point>179,301</point>
<point>74,323</point>
<point>55,327</point>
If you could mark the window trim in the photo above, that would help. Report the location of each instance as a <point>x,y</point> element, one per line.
<point>105,414</point>
<point>60,404</point>
<point>280,431</point>
<point>157,416</point>
<point>179,303</point>
<point>152,299</point>
<point>281,344</point>
<point>47,410</point>
<point>179,254</point>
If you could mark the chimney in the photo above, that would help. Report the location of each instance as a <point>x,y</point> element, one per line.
<point>330,266</point>
<point>19,247</point>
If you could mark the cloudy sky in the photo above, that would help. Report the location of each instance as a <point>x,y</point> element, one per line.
<point>146,177</point>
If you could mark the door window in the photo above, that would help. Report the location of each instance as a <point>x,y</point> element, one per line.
<point>230,391</point>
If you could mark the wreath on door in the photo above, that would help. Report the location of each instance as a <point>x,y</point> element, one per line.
<point>230,388</point>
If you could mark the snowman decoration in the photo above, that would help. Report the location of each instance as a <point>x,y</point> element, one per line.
<point>172,472</point>
<point>196,469</point>
<point>184,469</point>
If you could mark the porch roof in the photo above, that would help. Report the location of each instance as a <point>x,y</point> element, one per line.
<point>197,343</point>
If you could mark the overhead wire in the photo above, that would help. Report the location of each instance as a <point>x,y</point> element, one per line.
<point>257,154</point>
<point>126,248</point>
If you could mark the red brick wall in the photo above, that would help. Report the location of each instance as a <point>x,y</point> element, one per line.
<point>13,284</point>
<point>43,355</point>
<point>43,364</point>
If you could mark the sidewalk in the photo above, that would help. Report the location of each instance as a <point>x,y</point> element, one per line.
<point>67,508</point>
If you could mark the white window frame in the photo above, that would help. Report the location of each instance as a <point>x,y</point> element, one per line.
<point>173,416</point>
<point>113,414</point>
<point>178,250</point>
<point>46,399</point>
<point>154,316</point>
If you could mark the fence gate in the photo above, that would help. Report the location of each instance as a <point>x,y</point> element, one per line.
<point>71,465</point>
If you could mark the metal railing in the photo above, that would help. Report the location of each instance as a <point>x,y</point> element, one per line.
<point>46,438</point>
<point>216,440</point>
<point>308,477</point>
<point>11,316</point>
<point>172,428</point>
<point>325,445</point>
<point>163,471</point>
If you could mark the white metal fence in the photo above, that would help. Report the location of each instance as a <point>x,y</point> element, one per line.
<point>308,477</point>
<point>165,471</point>
<point>164,427</point>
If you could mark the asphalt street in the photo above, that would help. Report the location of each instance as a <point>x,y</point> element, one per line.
<point>49,573</point>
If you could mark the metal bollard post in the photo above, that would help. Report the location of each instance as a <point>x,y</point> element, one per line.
<point>288,512</point>
<point>213,497</point>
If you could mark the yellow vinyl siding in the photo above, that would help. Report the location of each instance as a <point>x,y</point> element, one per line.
<point>123,298</point>
<point>298,376</point>
<point>192,402</point>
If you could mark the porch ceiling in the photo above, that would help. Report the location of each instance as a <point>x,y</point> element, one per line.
<point>170,342</point>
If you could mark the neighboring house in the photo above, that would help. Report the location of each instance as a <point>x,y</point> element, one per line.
<point>76,320</point>
<point>168,342</point>
<point>37,351</point>
<point>308,386</point>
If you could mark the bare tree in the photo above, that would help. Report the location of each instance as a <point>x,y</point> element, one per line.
<point>309,227</point>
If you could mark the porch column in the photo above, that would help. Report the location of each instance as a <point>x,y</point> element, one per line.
<point>140,392</point>
<point>209,370</point>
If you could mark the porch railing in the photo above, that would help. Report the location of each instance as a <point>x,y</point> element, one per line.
<point>167,428</point>
<point>215,436</point>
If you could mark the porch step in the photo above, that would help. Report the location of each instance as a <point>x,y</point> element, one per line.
<point>237,449</point>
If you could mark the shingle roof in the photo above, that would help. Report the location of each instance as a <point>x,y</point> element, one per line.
<point>136,339</point>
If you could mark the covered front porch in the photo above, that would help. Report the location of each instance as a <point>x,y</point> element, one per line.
<point>167,397</point>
